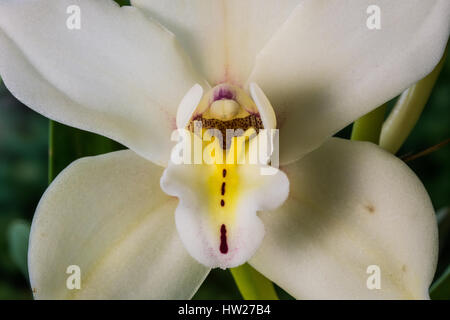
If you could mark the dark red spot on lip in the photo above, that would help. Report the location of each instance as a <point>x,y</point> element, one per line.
<point>222,203</point>
<point>223,240</point>
<point>224,173</point>
<point>223,188</point>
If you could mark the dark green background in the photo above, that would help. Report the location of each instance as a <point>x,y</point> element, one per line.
<point>24,173</point>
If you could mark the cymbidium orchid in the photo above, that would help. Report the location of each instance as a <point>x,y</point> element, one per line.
<point>140,225</point>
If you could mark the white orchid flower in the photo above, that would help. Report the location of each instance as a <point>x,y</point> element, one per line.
<point>334,208</point>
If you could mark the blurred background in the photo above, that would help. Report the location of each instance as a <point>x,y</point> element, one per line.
<point>24,145</point>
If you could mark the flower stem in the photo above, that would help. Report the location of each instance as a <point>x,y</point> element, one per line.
<point>368,127</point>
<point>407,110</point>
<point>252,284</point>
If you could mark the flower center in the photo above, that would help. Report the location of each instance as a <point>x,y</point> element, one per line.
<point>226,109</point>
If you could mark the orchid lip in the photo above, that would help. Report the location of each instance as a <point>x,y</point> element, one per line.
<point>219,199</point>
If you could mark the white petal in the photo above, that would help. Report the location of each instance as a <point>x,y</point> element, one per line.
<point>108,215</point>
<point>351,205</point>
<point>324,67</point>
<point>120,75</point>
<point>222,37</point>
<point>216,216</point>
<point>188,105</point>
<point>265,108</point>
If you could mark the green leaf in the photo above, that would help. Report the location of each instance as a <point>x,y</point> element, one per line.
<point>407,110</point>
<point>368,127</point>
<point>18,234</point>
<point>440,290</point>
<point>123,2</point>
<point>443,218</point>
<point>252,284</point>
<point>67,144</point>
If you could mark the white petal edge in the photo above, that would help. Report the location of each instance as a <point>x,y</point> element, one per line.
<point>108,215</point>
<point>324,67</point>
<point>221,36</point>
<point>351,205</point>
<point>188,105</point>
<point>265,108</point>
<point>120,75</point>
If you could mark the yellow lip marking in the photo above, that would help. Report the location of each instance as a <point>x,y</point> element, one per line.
<point>225,186</point>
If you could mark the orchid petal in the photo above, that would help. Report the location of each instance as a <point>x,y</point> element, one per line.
<point>325,67</point>
<point>188,105</point>
<point>120,75</point>
<point>264,106</point>
<point>108,216</point>
<point>222,37</point>
<point>352,207</point>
